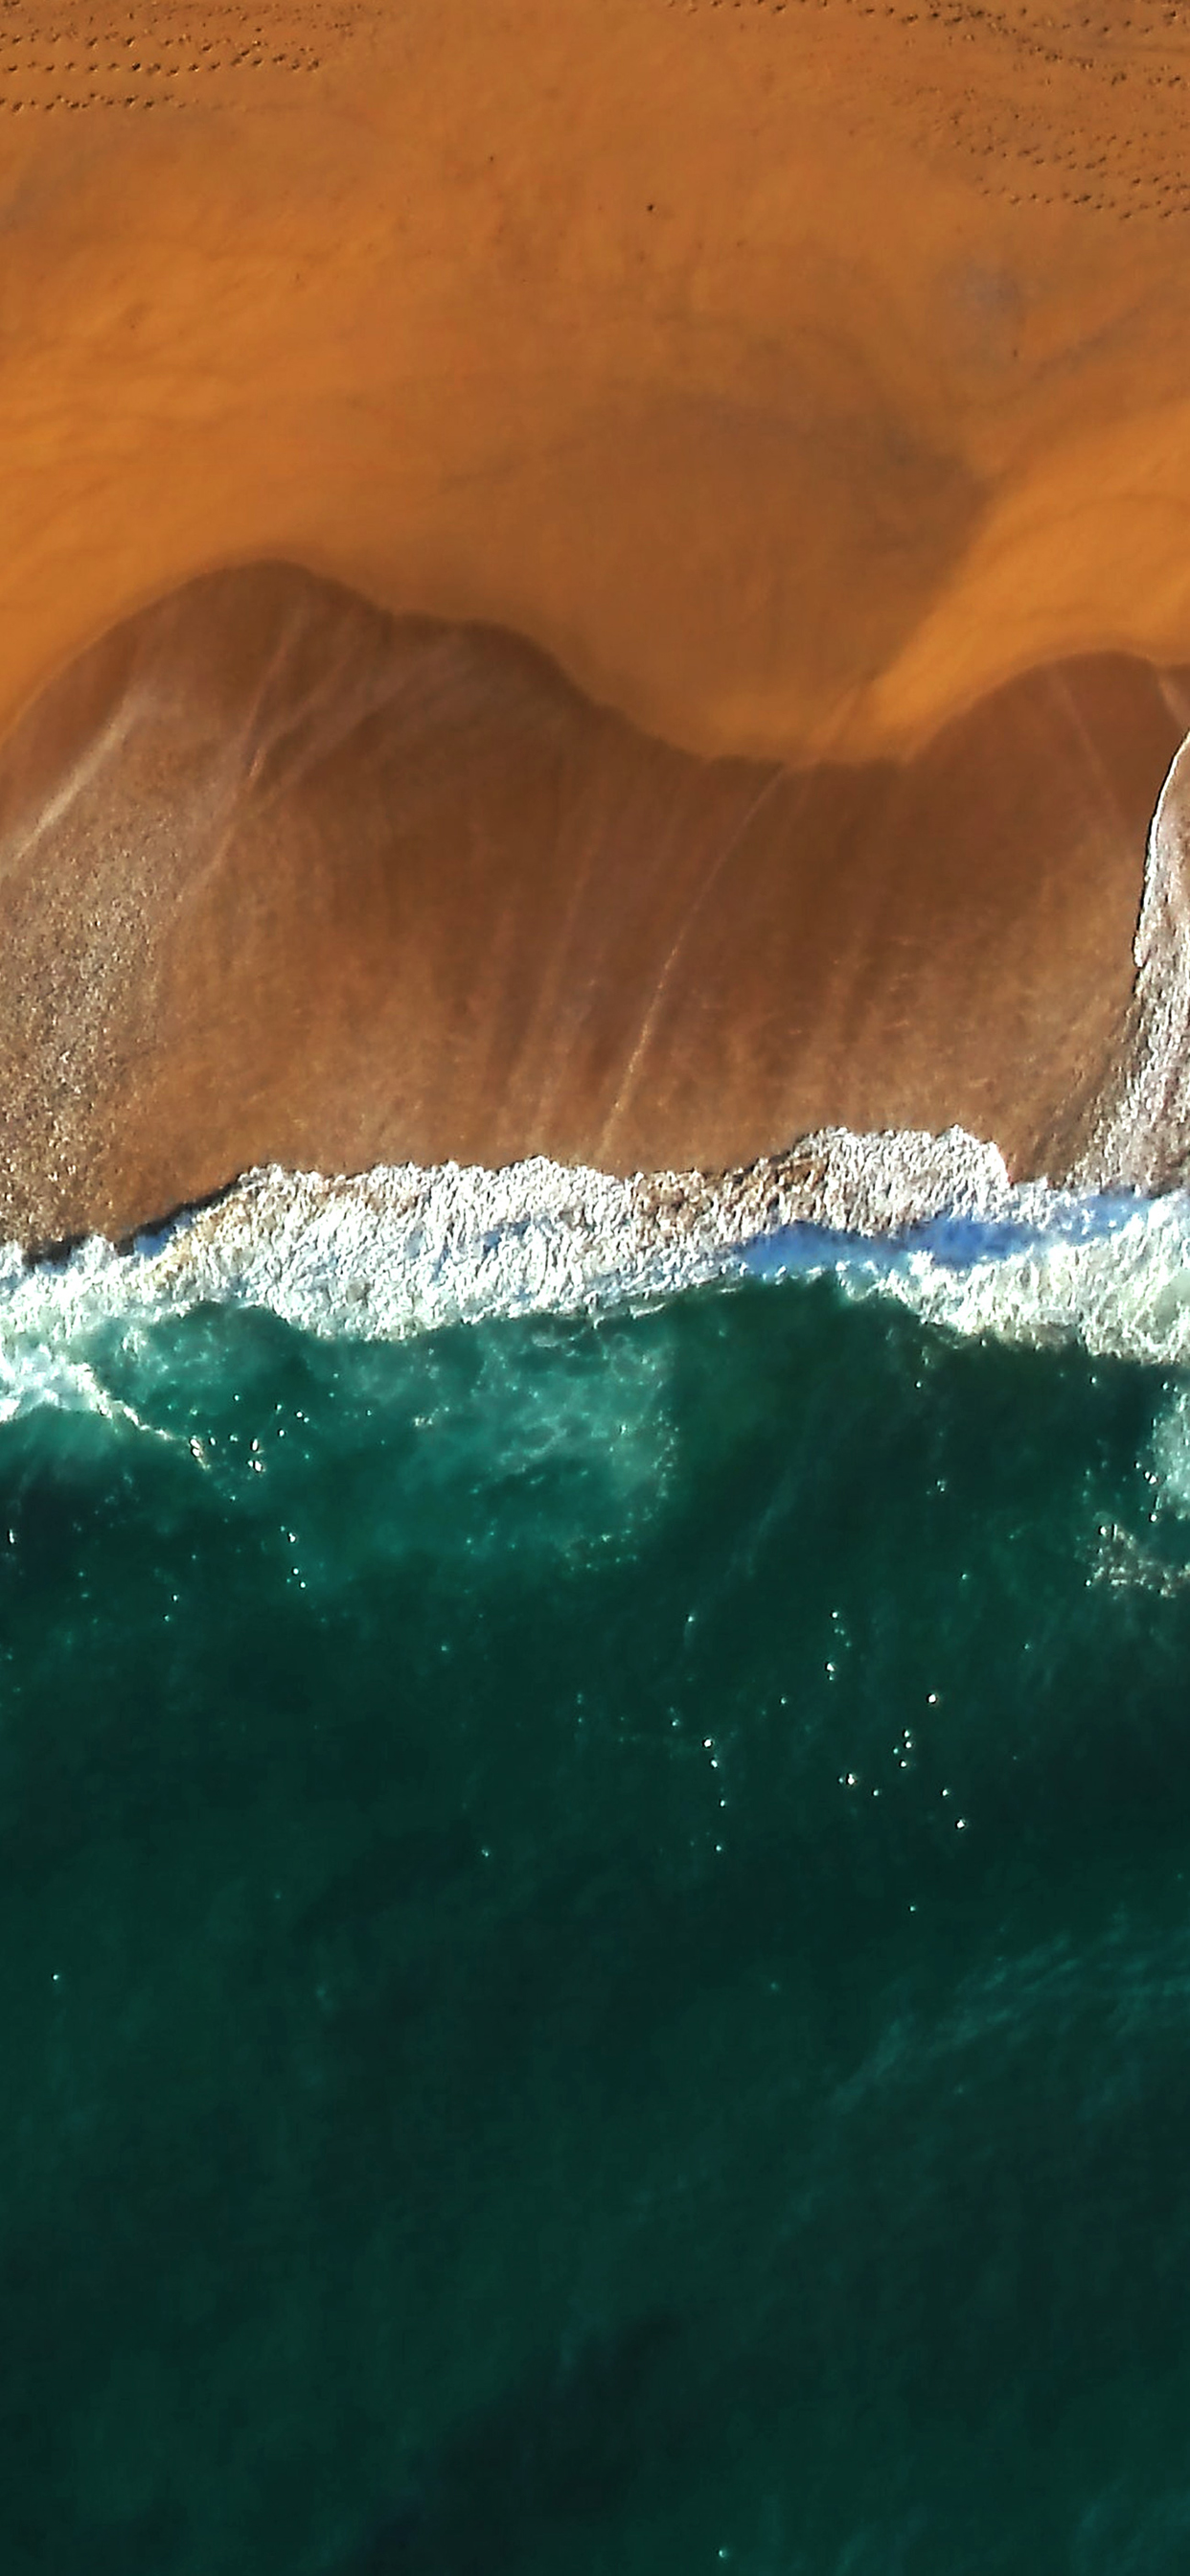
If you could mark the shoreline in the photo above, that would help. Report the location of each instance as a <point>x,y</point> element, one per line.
<point>283,880</point>
<point>931,1223</point>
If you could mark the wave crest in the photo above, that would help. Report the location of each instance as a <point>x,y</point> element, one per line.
<point>401,1250</point>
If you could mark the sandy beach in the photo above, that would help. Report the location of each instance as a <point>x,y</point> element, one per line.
<point>796,390</point>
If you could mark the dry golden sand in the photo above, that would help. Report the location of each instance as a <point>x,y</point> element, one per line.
<point>810,381</point>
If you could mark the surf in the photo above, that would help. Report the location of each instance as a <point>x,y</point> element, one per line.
<point>930,1224</point>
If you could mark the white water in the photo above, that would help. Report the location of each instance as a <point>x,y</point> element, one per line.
<point>1110,1275</point>
<point>932,1223</point>
<point>399,1250</point>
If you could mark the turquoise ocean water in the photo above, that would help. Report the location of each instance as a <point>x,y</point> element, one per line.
<point>595,1949</point>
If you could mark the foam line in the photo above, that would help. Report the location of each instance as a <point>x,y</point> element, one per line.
<point>399,1249</point>
<point>931,1222</point>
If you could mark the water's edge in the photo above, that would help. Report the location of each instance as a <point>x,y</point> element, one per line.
<point>932,1222</point>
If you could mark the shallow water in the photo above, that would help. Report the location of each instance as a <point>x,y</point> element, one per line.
<point>595,1967</point>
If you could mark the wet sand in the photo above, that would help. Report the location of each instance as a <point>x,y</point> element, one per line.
<point>806,382</point>
<point>288,879</point>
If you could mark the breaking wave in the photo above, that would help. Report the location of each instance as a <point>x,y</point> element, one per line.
<point>931,1224</point>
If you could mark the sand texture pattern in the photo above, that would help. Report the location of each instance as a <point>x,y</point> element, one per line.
<point>285,879</point>
<point>803,385</point>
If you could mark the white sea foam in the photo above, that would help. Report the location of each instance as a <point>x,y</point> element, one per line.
<point>1113,1277</point>
<point>932,1223</point>
<point>398,1250</point>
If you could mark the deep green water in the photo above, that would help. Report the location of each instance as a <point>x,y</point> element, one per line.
<point>595,1955</point>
